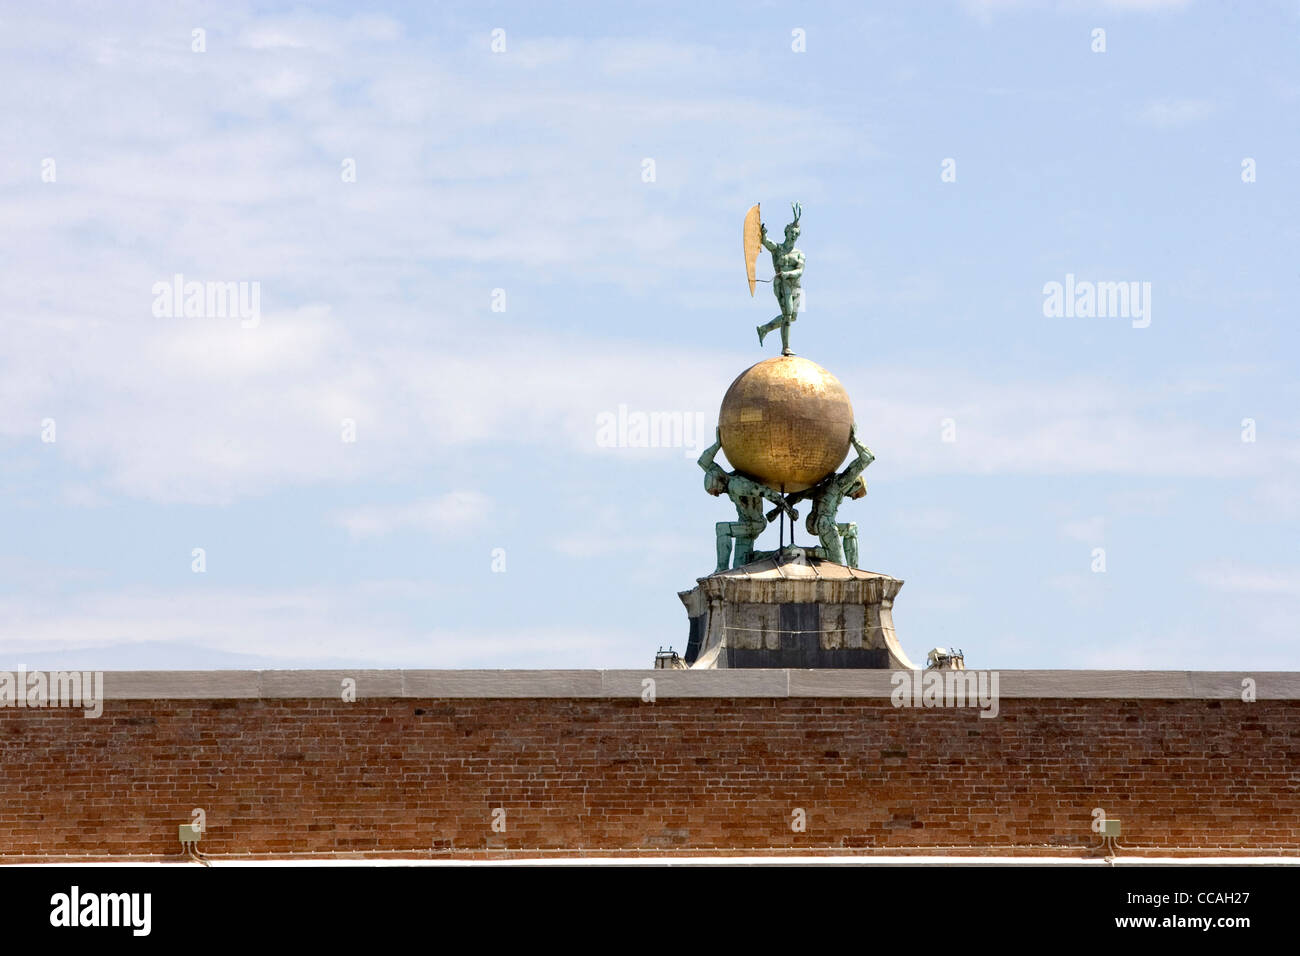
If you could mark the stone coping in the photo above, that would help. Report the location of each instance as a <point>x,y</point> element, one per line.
<point>432,684</point>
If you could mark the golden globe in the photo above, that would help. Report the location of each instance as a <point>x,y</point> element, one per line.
<point>786,422</point>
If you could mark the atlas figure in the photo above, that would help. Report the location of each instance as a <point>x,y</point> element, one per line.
<point>787,264</point>
<point>827,496</point>
<point>747,495</point>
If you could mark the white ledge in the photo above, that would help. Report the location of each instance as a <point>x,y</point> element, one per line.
<point>461,684</point>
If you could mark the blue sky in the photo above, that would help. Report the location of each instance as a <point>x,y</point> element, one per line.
<point>522,171</point>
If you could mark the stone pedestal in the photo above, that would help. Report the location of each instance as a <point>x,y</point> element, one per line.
<point>793,610</point>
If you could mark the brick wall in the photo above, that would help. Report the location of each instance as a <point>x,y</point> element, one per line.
<point>280,776</point>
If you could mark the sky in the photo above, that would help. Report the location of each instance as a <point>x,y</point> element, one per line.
<point>476,231</point>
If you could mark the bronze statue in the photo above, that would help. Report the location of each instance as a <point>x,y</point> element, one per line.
<point>787,263</point>
<point>747,495</point>
<point>788,423</point>
<point>827,496</point>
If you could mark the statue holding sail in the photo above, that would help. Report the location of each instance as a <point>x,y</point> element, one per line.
<point>787,265</point>
<point>786,426</point>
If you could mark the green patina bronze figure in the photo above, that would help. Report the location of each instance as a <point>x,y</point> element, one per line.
<point>787,263</point>
<point>827,496</point>
<point>747,495</point>
<point>785,420</point>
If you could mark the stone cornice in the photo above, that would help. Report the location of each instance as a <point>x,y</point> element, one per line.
<point>432,684</point>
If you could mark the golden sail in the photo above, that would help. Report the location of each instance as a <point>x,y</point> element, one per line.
<point>752,220</point>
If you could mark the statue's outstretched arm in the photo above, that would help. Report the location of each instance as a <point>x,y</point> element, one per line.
<point>862,450</point>
<point>706,459</point>
<point>859,465</point>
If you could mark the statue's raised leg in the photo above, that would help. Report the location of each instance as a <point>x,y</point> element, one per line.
<point>768,327</point>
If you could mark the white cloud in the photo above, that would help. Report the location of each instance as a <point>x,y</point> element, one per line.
<point>204,411</point>
<point>454,511</point>
<point>1235,579</point>
<point>983,10</point>
<point>1172,113</point>
<point>201,410</point>
<point>924,520</point>
<point>1146,4</point>
<point>1127,6</point>
<point>1091,531</point>
<point>1081,590</point>
<point>1144,502</point>
<point>281,628</point>
<point>611,541</point>
<point>531,52</point>
<point>1272,500</point>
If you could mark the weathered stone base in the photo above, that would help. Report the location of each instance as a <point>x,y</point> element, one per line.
<point>793,610</point>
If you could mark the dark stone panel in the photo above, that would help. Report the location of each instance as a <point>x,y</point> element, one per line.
<point>694,638</point>
<point>800,626</point>
<point>843,657</point>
